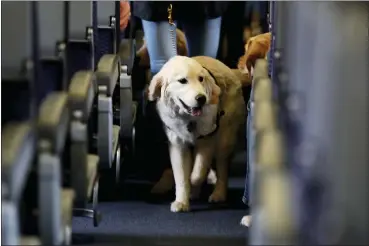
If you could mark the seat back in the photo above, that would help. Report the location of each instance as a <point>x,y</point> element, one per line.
<point>80,44</point>
<point>106,9</point>
<point>106,29</point>
<point>17,75</point>
<point>21,97</point>
<point>52,31</point>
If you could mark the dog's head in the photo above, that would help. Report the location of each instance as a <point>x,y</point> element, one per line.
<point>184,84</point>
<point>256,48</point>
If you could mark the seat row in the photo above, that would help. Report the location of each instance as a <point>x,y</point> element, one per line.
<point>61,64</point>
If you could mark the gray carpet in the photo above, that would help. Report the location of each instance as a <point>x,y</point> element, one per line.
<point>135,220</point>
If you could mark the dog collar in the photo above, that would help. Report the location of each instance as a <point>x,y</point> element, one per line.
<point>219,115</point>
<point>192,126</point>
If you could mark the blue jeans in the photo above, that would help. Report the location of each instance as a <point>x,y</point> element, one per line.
<point>260,7</point>
<point>202,39</point>
<point>250,165</point>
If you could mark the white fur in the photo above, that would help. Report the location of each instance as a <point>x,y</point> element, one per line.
<point>206,124</point>
<point>246,220</point>
<point>193,168</point>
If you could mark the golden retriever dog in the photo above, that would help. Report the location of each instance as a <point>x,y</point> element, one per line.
<point>201,105</point>
<point>143,54</point>
<point>256,48</point>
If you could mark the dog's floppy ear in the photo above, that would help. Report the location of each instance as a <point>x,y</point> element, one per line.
<point>213,87</point>
<point>154,89</point>
<point>215,93</point>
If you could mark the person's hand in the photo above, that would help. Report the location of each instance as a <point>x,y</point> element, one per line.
<point>125,14</point>
<point>256,48</point>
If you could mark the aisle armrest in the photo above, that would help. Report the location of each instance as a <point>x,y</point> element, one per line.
<point>81,94</point>
<point>18,147</point>
<point>107,75</point>
<point>81,97</point>
<point>53,123</point>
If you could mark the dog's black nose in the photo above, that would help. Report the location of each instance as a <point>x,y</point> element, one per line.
<point>201,99</point>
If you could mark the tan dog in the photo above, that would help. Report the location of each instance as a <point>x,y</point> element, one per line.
<point>193,95</point>
<point>143,54</point>
<point>256,48</point>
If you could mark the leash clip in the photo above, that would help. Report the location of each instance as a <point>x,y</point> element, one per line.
<point>170,18</point>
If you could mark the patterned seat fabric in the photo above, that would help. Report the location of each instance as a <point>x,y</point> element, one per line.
<point>79,55</point>
<point>106,42</point>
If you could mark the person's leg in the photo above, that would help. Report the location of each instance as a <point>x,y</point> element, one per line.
<point>160,38</point>
<point>161,45</point>
<point>264,16</point>
<point>203,38</point>
<point>233,24</point>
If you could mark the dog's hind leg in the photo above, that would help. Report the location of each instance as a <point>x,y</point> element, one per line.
<point>165,183</point>
<point>212,177</point>
<point>211,180</point>
<point>225,145</point>
<point>180,157</point>
<point>204,151</point>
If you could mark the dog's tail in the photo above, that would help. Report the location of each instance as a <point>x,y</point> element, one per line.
<point>243,77</point>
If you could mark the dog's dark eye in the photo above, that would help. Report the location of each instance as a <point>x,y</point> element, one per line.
<point>201,78</point>
<point>182,81</point>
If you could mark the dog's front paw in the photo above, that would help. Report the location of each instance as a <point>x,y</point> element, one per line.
<point>218,196</point>
<point>246,220</point>
<point>178,206</point>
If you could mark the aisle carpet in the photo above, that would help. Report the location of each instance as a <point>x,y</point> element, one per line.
<point>136,220</point>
